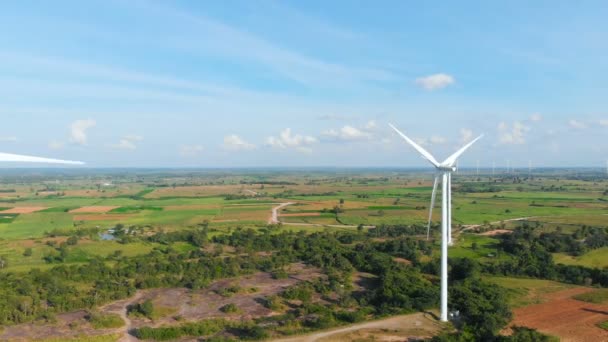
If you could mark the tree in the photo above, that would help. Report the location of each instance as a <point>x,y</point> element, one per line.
<point>483,307</point>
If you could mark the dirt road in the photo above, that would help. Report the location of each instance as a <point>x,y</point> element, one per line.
<point>274,217</point>
<point>399,328</point>
<point>120,308</point>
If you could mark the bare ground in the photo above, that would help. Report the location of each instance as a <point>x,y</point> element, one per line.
<point>93,209</point>
<point>187,304</point>
<point>569,319</point>
<point>22,210</point>
<point>413,327</point>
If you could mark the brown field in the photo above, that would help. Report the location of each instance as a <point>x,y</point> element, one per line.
<point>567,318</point>
<point>22,210</point>
<point>101,217</point>
<point>94,209</point>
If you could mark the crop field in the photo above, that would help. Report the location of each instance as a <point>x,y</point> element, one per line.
<point>47,224</point>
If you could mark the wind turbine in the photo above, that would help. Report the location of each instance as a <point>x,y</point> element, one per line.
<point>444,170</point>
<point>8,157</point>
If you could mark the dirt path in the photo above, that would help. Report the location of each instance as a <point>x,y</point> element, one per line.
<point>398,328</point>
<point>473,226</point>
<point>120,308</point>
<point>251,192</point>
<point>274,217</point>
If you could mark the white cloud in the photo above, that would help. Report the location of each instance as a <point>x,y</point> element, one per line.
<point>78,131</point>
<point>133,137</point>
<point>466,135</point>
<point>436,81</point>
<point>56,145</point>
<point>371,125</point>
<point>515,134</point>
<point>287,140</point>
<point>190,150</point>
<point>577,124</point>
<point>124,144</point>
<point>235,143</point>
<point>128,142</point>
<point>347,133</point>
<point>603,122</point>
<point>536,117</point>
<point>9,139</point>
<point>438,140</point>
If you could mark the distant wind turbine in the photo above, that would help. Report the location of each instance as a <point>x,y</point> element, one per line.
<point>9,157</point>
<point>444,169</point>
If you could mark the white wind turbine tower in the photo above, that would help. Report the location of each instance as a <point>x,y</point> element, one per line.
<point>8,157</point>
<point>444,169</point>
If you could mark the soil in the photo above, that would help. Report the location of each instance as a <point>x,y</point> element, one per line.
<point>22,210</point>
<point>565,317</point>
<point>101,217</point>
<point>94,209</point>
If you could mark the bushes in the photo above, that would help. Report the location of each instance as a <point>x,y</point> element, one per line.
<point>230,308</point>
<point>104,321</point>
<point>145,309</point>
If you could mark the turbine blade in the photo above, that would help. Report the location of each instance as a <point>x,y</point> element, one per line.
<point>433,196</point>
<point>418,148</point>
<point>8,157</point>
<point>452,159</point>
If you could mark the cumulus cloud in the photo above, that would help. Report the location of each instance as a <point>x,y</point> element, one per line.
<point>347,133</point>
<point>351,133</point>
<point>235,143</point>
<point>603,122</point>
<point>128,142</point>
<point>512,134</point>
<point>466,135</point>
<point>434,82</point>
<point>438,140</point>
<point>370,125</point>
<point>56,145</point>
<point>78,131</point>
<point>288,140</point>
<point>8,139</point>
<point>577,124</point>
<point>536,117</point>
<point>190,150</point>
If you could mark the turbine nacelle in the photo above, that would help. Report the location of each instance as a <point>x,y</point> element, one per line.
<point>446,168</point>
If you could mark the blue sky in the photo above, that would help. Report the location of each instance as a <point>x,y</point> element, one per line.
<point>304,83</point>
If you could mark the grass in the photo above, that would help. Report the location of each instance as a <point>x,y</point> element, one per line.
<point>8,218</point>
<point>105,321</point>
<point>475,247</point>
<point>603,325</point>
<point>597,258</point>
<point>524,291</point>
<point>135,209</point>
<point>597,297</point>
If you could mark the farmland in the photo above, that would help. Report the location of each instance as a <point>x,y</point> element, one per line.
<point>115,222</point>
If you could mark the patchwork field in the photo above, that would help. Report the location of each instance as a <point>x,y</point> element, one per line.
<point>197,218</point>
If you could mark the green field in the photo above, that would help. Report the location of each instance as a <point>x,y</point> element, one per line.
<point>597,258</point>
